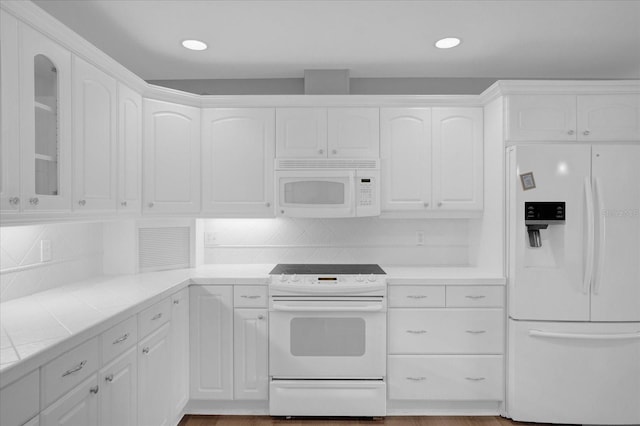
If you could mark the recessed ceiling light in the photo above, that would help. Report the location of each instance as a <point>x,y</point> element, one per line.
<point>447,43</point>
<point>194,44</point>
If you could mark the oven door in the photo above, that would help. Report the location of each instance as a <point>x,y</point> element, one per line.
<point>321,193</point>
<point>327,338</point>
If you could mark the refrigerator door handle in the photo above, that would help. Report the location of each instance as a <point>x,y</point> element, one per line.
<point>588,267</point>
<point>584,336</point>
<point>601,238</point>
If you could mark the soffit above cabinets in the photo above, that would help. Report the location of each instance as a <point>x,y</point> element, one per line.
<point>280,39</point>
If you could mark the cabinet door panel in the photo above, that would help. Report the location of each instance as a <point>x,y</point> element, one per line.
<point>541,117</point>
<point>238,154</point>
<point>129,149</point>
<point>406,158</point>
<point>94,107</point>
<point>9,115</point>
<point>78,407</point>
<point>457,158</point>
<point>354,132</point>
<point>179,351</point>
<point>154,372</point>
<point>301,132</point>
<point>171,158</point>
<point>118,392</point>
<point>211,331</point>
<point>251,354</point>
<point>45,123</point>
<point>609,117</point>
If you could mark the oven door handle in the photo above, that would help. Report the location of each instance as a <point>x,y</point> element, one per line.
<point>324,308</point>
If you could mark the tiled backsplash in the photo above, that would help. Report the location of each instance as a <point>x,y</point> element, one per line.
<point>366,240</point>
<point>76,255</point>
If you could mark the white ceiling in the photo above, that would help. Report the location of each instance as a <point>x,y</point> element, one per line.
<point>379,38</point>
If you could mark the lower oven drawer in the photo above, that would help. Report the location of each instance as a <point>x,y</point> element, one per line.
<point>360,398</point>
<point>450,378</point>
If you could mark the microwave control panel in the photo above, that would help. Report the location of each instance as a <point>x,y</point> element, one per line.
<point>367,193</point>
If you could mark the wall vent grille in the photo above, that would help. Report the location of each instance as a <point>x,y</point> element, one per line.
<point>164,248</point>
<point>327,164</point>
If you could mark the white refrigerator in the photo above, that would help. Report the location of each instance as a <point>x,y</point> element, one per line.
<point>574,283</point>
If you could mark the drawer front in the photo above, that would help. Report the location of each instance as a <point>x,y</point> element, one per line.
<point>450,378</point>
<point>20,400</point>
<point>417,296</point>
<point>446,331</point>
<point>118,339</point>
<point>152,318</point>
<point>250,296</point>
<point>68,370</point>
<point>475,296</point>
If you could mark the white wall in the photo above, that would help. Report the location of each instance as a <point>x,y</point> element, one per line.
<point>358,240</point>
<point>76,255</point>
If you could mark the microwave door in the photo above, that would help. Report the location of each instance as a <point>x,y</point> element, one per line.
<point>321,194</point>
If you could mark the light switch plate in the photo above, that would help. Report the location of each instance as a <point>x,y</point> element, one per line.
<point>45,251</point>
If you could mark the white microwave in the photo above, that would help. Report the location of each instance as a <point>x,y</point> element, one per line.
<point>324,188</point>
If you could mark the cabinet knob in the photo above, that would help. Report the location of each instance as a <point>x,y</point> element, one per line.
<point>570,132</point>
<point>150,205</point>
<point>14,201</point>
<point>94,390</point>
<point>145,350</point>
<point>321,151</point>
<point>260,317</point>
<point>268,204</point>
<point>586,133</point>
<point>82,202</point>
<point>335,151</point>
<point>176,301</point>
<point>426,204</point>
<point>109,378</point>
<point>34,201</point>
<point>440,204</point>
<point>123,203</point>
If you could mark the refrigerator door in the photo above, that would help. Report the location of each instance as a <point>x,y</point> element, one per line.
<point>551,282</point>
<point>616,184</point>
<point>585,373</point>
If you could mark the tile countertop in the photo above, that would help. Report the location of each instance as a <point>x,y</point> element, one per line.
<point>38,328</point>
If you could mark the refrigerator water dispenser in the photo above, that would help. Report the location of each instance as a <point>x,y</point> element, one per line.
<point>539,215</point>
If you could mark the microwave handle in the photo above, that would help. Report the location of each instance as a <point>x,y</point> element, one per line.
<point>285,308</point>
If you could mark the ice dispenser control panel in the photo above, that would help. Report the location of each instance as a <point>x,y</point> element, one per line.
<point>547,212</point>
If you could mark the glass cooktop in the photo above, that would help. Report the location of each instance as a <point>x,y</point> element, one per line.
<point>326,269</point>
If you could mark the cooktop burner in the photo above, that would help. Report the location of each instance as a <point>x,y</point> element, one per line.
<point>326,269</point>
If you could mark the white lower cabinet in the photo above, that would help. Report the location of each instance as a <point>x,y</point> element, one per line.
<point>250,363</point>
<point>118,391</point>
<point>79,407</point>
<point>154,378</point>
<point>20,400</point>
<point>446,344</point>
<point>179,351</point>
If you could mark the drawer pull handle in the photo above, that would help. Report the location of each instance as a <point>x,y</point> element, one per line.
<point>416,379</point>
<point>176,301</point>
<point>156,316</point>
<point>94,390</point>
<point>244,296</point>
<point>417,331</point>
<point>74,369</point>
<point>109,378</point>
<point>121,339</point>
<point>145,350</point>
<point>476,331</point>
<point>421,296</point>
<point>475,297</point>
<point>474,379</point>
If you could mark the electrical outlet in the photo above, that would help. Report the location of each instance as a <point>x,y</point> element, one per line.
<point>45,251</point>
<point>419,238</point>
<point>210,238</point>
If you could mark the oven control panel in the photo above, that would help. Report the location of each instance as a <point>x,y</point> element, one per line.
<point>329,280</point>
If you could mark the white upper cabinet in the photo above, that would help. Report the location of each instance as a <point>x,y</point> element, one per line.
<point>570,117</point>
<point>353,132</point>
<point>237,161</point>
<point>405,154</point>
<point>94,137</point>
<point>301,132</point>
<point>609,117</point>
<point>171,158</point>
<point>45,122</point>
<point>457,158</point>
<point>327,133</point>
<point>129,149</point>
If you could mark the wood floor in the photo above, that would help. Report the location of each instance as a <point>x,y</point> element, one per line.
<point>387,421</point>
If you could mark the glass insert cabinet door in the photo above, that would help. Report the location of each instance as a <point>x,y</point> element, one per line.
<point>45,114</point>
